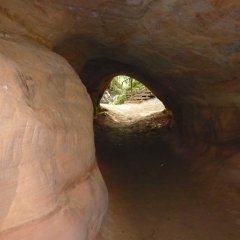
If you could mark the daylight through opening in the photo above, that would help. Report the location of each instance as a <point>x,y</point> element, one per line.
<point>129,113</point>
<point>127,99</point>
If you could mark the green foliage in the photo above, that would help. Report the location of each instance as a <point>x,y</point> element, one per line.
<point>121,85</point>
<point>119,99</point>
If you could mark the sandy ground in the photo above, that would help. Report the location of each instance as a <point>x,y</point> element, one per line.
<point>151,197</point>
<point>152,194</point>
<point>133,111</point>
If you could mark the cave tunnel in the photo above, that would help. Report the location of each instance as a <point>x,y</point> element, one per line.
<point>57,181</point>
<point>151,163</point>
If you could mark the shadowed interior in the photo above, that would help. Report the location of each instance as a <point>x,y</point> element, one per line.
<point>186,52</point>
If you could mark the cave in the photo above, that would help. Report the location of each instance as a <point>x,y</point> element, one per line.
<point>57,58</point>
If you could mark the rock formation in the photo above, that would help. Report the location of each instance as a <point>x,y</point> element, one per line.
<point>50,183</point>
<point>187,52</point>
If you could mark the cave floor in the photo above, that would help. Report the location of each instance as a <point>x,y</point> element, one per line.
<point>154,197</point>
<point>152,193</point>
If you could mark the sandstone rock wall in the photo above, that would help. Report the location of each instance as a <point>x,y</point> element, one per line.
<point>50,184</point>
<point>187,52</point>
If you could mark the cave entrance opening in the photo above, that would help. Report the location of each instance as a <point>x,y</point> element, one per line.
<point>128,100</point>
<point>130,116</point>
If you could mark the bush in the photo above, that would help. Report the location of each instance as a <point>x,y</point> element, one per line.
<point>120,86</point>
<point>119,99</point>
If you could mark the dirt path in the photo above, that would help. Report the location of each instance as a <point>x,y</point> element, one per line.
<point>134,112</point>
<point>152,195</point>
<point>154,198</point>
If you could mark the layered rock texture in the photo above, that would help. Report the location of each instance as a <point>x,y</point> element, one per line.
<point>187,52</point>
<point>51,187</point>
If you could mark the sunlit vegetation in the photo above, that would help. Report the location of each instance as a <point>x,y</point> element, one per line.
<point>120,87</point>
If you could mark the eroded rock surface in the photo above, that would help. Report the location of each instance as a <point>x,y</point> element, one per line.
<point>51,187</point>
<point>187,52</point>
